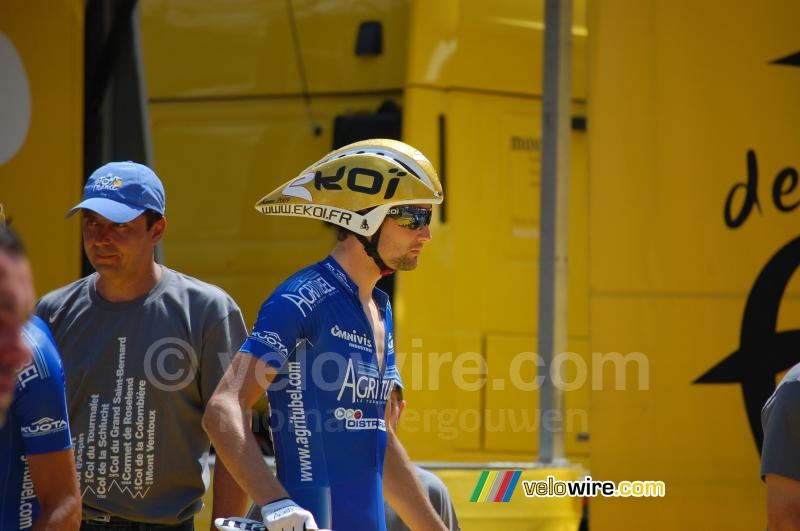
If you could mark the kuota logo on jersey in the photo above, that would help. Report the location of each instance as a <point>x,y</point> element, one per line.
<point>271,339</point>
<point>44,426</point>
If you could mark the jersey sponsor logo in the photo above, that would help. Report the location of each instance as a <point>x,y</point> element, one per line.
<point>355,339</point>
<point>364,387</point>
<point>354,420</point>
<point>365,424</point>
<point>309,294</point>
<point>342,413</point>
<point>29,373</point>
<point>44,426</point>
<point>339,275</point>
<point>108,182</point>
<point>27,497</point>
<point>271,339</point>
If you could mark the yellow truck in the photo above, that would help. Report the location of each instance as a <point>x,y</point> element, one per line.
<point>682,203</point>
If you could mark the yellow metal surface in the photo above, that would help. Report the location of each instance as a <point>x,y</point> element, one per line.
<point>247,48</point>
<point>43,179</point>
<point>680,92</point>
<point>497,46</point>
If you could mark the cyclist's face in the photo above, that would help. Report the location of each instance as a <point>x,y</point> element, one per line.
<point>400,247</point>
<point>16,304</point>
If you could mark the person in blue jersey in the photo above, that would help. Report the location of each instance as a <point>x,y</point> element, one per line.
<point>16,304</point>
<point>39,489</point>
<point>323,349</point>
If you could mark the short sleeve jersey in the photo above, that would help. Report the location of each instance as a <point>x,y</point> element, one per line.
<point>328,400</point>
<point>37,424</point>
<point>780,418</point>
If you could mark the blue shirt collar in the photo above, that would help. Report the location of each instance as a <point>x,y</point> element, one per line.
<point>332,267</point>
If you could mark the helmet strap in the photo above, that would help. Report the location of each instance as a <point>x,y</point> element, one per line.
<point>371,248</point>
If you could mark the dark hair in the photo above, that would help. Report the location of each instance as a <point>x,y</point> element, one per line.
<point>152,218</point>
<point>341,232</point>
<point>10,241</point>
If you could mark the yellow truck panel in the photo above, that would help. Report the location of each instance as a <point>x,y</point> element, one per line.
<point>42,179</point>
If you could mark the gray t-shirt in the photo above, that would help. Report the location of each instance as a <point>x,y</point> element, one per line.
<point>440,499</point>
<point>139,375</point>
<point>780,418</point>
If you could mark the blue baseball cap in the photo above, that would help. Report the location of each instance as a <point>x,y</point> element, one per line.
<point>121,191</point>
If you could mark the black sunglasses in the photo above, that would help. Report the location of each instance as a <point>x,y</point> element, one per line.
<point>411,217</point>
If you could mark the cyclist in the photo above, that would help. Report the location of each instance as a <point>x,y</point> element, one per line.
<point>40,487</point>
<point>323,349</point>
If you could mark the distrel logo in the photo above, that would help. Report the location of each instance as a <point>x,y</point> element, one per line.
<point>496,485</point>
<point>295,189</point>
<point>110,183</point>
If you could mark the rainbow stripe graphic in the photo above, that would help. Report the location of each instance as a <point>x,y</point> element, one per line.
<point>495,485</point>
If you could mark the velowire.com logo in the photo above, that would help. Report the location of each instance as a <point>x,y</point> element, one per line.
<point>495,485</point>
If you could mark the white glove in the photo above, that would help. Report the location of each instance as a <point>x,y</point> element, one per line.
<point>235,524</point>
<point>286,515</point>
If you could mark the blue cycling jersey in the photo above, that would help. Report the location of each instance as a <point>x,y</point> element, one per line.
<point>37,424</point>
<point>328,400</point>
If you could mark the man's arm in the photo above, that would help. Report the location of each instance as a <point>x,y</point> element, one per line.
<point>783,503</point>
<point>780,465</point>
<point>227,422</point>
<point>228,497</point>
<point>402,489</point>
<point>56,485</point>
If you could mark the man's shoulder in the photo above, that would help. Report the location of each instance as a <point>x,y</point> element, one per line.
<point>429,480</point>
<point>300,277</point>
<point>306,290</point>
<point>184,285</point>
<point>51,305</point>
<point>63,293</point>
<point>787,393</point>
<point>787,390</point>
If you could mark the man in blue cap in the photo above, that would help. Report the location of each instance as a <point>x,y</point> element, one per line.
<point>143,348</point>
